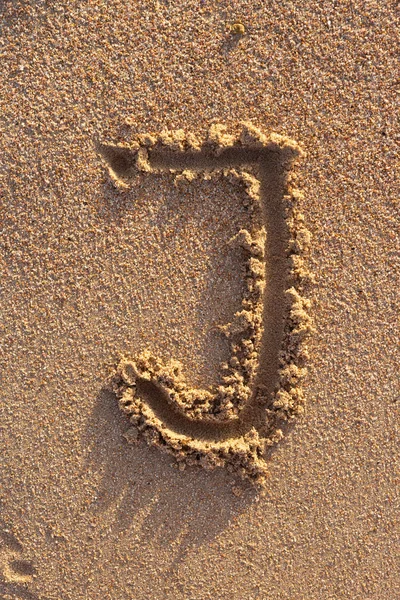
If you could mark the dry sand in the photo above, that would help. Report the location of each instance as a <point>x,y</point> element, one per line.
<point>90,271</point>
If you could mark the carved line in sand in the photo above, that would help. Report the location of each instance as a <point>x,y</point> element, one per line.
<point>236,423</point>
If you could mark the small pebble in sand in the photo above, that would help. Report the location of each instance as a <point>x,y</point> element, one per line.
<point>237,29</point>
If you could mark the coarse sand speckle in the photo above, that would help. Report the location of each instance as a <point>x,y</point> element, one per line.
<point>90,271</point>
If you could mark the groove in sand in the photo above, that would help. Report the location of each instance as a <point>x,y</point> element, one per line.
<point>237,423</point>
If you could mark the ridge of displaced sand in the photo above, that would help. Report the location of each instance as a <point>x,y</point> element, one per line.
<point>234,424</point>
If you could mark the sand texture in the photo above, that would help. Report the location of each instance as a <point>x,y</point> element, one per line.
<point>236,422</point>
<point>187,192</point>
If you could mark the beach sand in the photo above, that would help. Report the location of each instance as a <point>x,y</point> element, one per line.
<point>93,269</point>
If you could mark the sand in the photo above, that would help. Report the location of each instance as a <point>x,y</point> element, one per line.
<point>235,422</point>
<point>96,267</point>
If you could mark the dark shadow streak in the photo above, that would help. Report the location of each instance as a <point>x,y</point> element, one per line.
<point>207,159</point>
<point>133,477</point>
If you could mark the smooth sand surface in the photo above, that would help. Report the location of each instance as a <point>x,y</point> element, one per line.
<point>89,271</point>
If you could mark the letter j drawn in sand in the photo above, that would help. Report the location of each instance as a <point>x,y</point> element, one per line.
<point>237,422</point>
